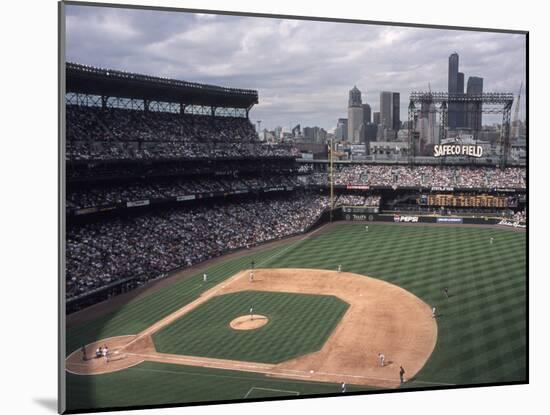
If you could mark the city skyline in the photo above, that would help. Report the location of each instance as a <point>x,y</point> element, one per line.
<point>303,70</point>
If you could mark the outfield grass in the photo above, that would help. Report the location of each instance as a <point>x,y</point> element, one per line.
<point>298,324</point>
<point>481,327</point>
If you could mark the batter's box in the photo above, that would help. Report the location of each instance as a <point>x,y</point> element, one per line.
<point>256,392</point>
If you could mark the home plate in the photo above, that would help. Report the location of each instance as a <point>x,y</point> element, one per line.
<point>311,371</point>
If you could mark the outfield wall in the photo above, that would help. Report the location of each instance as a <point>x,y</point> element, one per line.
<point>354,214</point>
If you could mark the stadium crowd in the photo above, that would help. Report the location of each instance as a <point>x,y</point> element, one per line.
<point>166,188</point>
<point>354,200</point>
<point>120,134</point>
<point>520,216</point>
<point>151,244</point>
<point>425,176</point>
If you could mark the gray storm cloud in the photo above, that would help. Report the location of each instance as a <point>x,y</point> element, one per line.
<point>302,69</point>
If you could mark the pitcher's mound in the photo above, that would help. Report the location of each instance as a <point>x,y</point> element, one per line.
<point>248,322</point>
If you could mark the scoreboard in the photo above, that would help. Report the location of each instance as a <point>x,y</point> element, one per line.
<point>451,200</point>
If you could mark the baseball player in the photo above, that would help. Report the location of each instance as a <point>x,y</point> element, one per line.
<point>343,387</point>
<point>491,240</point>
<point>339,268</point>
<point>401,374</point>
<point>83,350</point>
<point>251,276</point>
<point>204,277</point>
<point>433,312</point>
<point>251,313</point>
<point>446,292</point>
<point>381,359</point>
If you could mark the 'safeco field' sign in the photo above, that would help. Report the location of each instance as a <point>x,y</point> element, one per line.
<point>457,150</point>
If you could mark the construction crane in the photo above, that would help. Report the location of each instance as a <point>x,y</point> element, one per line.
<point>515,121</point>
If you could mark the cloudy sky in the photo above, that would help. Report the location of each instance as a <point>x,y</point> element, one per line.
<point>302,70</point>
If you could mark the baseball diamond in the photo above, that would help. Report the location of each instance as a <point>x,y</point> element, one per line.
<point>216,246</point>
<point>176,341</point>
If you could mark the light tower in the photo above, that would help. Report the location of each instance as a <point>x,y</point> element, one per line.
<point>515,122</point>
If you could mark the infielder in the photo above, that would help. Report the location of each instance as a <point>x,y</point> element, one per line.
<point>433,312</point>
<point>381,358</point>
<point>401,374</point>
<point>204,277</point>
<point>83,349</point>
<point>251,276</point>
<point>251,313</point>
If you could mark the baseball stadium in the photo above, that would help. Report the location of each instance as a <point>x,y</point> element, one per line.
<point>204,265</point>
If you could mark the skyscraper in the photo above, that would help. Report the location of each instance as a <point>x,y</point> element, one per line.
<point>396,119</point>
<point>453,73</point>
<point>453,85</point>
<point>355,116</point>
<point>296,131</point>
<point>342,129</point>
<point>376,117</point>
<point>474,109</point>
<point>386,109</point>
<point>366,113</point>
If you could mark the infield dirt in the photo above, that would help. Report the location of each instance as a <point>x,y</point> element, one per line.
<point>381,318</point>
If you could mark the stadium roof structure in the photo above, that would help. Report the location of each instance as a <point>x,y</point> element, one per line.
<point>497,98</point>
<point>86,79</point>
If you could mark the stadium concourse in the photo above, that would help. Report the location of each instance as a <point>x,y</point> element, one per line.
<point>160,178</point>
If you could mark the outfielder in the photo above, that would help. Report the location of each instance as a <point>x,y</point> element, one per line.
<point>366,228</point>
<point>339,268</point>
<point>251,313</point>
<point>491,240</point>
<point>204,277</point>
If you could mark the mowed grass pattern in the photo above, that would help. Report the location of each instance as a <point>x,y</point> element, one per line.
<point>481,327</point>
<point>158,383</point>
<point>298,324</point>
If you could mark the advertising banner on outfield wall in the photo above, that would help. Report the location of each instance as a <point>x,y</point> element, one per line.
<point>405,218</point>
<point>450,220</point>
